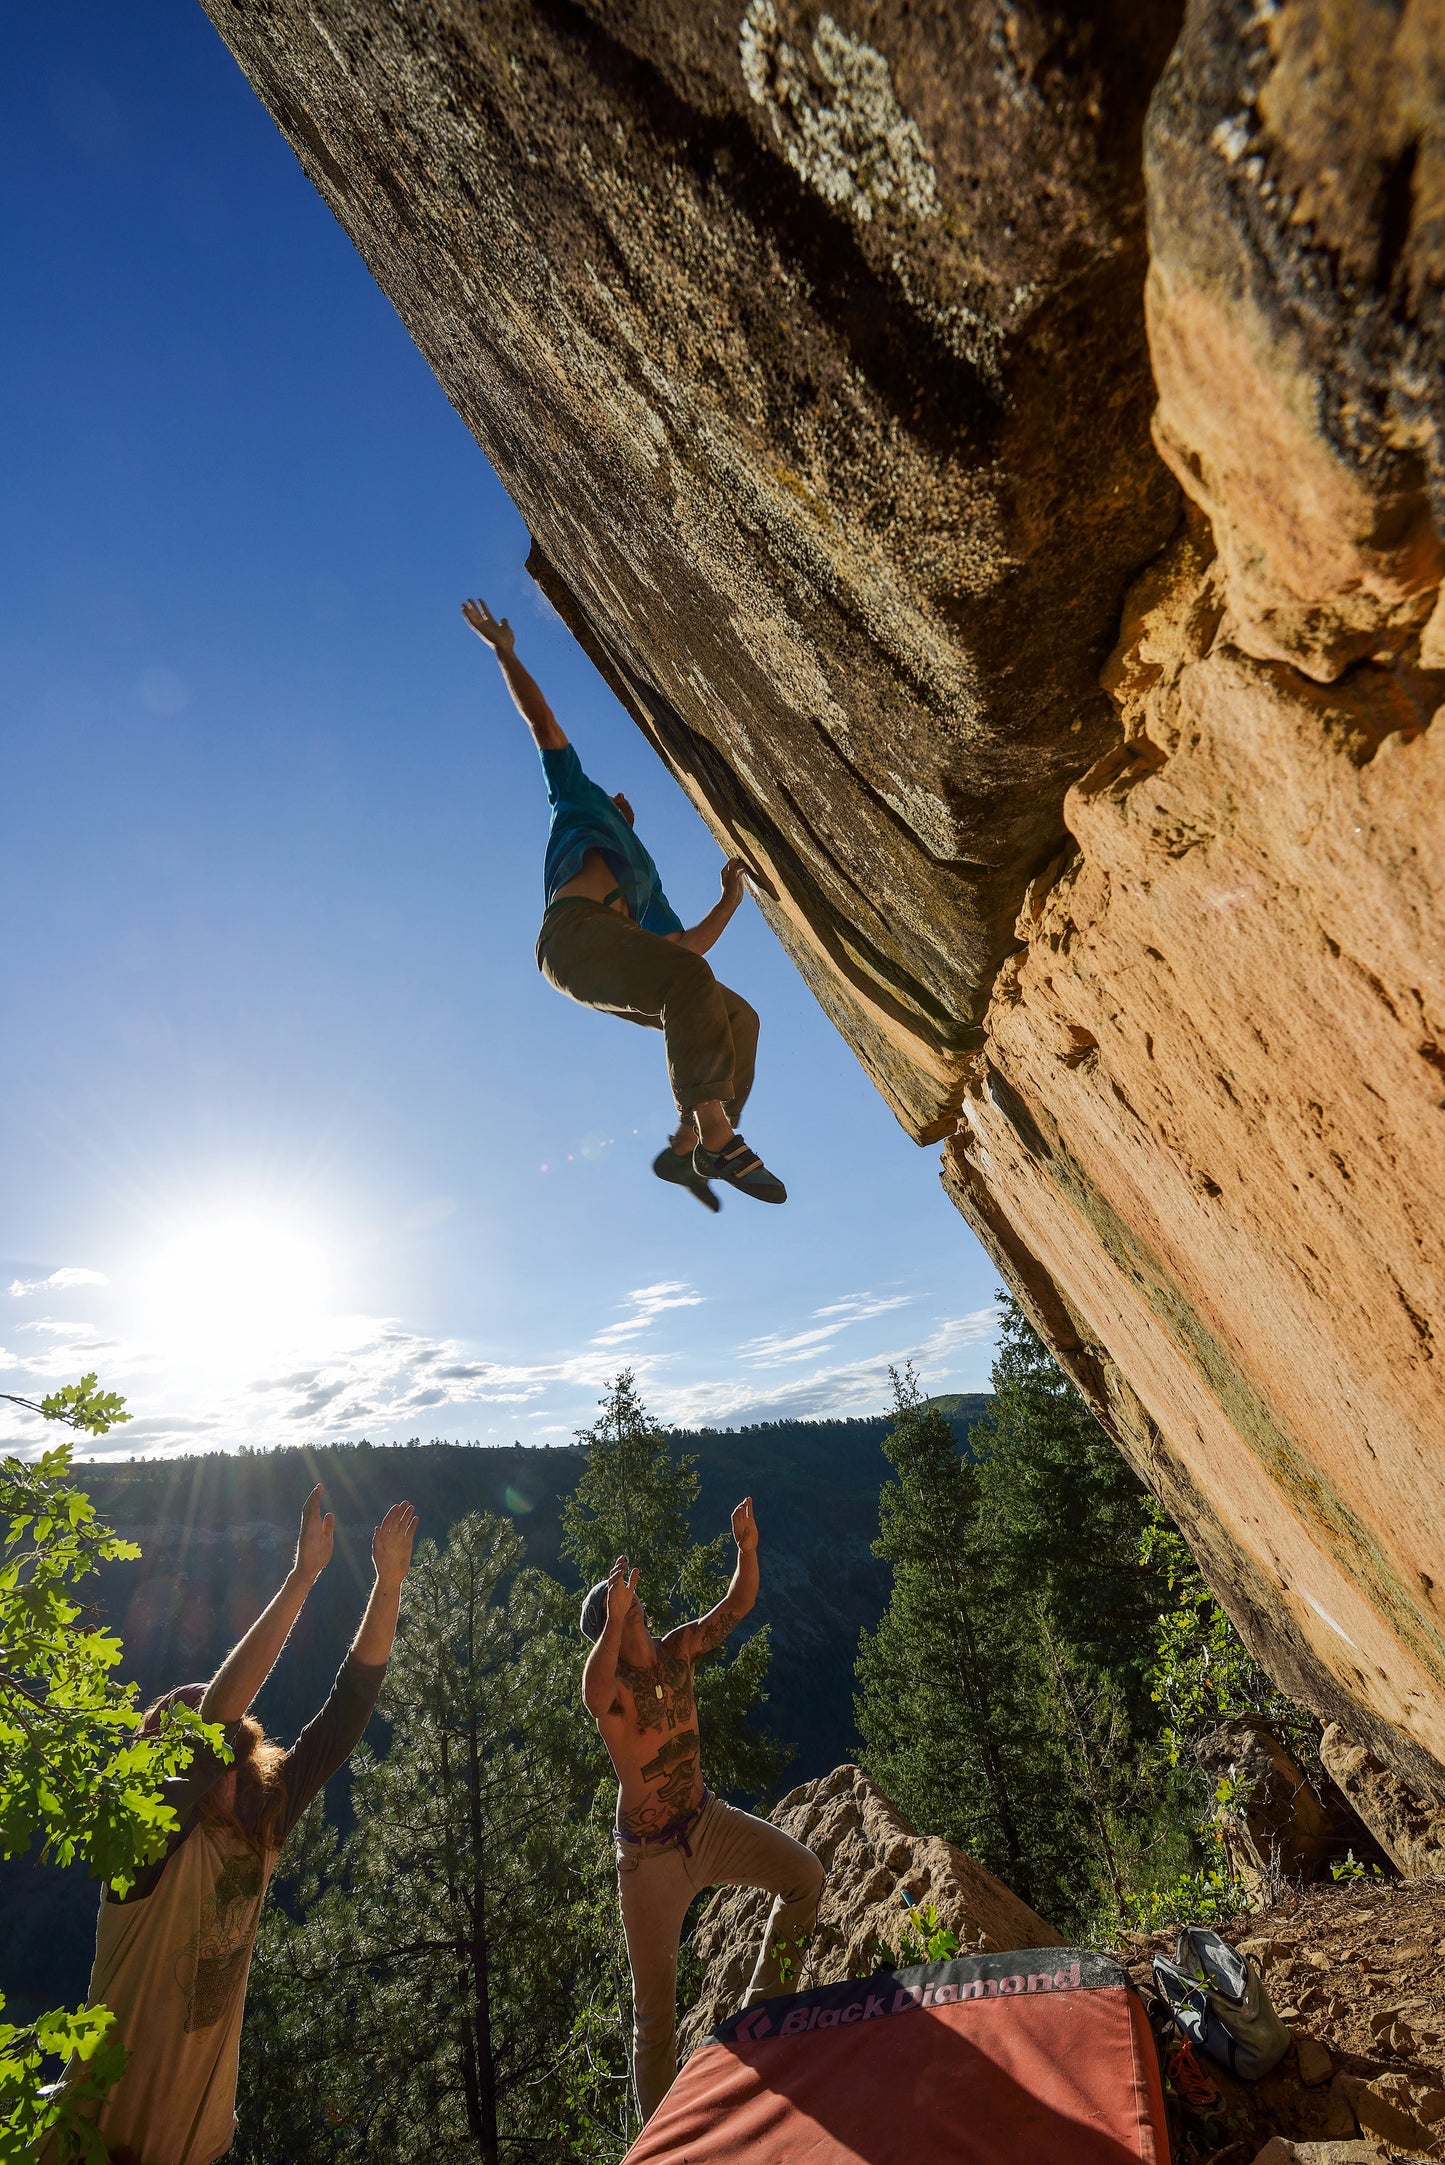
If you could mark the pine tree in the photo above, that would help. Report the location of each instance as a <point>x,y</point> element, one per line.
<point>1083,1718</point>
<point>934,1723</point>
<point>1007,1699</point>
<point>1062,1526</point>
<point>634,1499</point>
<point>601,2121</point>
<point>424,2000</point>
<point>1062,1515</point>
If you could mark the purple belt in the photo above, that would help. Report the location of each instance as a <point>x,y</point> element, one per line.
<point>676,1830</point>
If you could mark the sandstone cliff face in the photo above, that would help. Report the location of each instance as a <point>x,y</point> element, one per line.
<point>1209,1129</point>
<point>814,348</point>
<point>873,1858</point>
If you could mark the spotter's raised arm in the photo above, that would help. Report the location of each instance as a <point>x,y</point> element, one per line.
<point>707,1632</point>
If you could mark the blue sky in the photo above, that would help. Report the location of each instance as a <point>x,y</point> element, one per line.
<point>296,1142</point>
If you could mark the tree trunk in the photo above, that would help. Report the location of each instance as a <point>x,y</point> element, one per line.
<point>975,1690</point>
<point>478,1952</point>
<point>466,2038</point>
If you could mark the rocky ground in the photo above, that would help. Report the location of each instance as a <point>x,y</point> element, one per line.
<point>1357,1972</point>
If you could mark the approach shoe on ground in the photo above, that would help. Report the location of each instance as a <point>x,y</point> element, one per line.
<point>741,1168</point>
<point>672,1166</point>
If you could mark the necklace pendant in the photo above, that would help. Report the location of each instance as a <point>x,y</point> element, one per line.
<point>658,1689</point>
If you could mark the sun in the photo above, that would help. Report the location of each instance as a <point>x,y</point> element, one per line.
<point>236,1288</point>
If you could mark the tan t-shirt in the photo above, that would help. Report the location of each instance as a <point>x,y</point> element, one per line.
<point>174,1969</point>
<point>172,1959</point>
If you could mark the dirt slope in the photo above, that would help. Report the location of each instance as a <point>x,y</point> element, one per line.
<point>1360,1972</point>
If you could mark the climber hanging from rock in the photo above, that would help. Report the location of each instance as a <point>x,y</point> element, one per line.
<point>673,1836</point>
<point>610,939</point>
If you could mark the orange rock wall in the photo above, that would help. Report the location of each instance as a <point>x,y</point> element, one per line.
<point>1213,1114</point>
<point>1209,1128</point>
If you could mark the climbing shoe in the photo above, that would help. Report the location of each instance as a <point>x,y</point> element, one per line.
<point>741,1168</point>
<point>671,1165</point>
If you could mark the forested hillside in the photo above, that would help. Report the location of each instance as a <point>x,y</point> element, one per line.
<point>216,1534</point>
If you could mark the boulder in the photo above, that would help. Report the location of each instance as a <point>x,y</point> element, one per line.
<point>1279,2150</point>
<point>1388,2122</point>
<point>1314,2062</point>
<point>1273,1823</point>
<point>1410,1830</point>
<point>873,1858</point>
<point>1340,2124</point>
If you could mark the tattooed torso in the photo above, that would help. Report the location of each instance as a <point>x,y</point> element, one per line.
<point>662,1692</point>
<point>651,1732</point>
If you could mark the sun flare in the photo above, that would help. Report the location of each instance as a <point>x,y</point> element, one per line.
<point>236,1288</point>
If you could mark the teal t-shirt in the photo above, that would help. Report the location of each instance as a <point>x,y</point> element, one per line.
<point>584,817</point>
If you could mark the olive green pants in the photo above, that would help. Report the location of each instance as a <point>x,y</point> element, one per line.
<point>602,959</point>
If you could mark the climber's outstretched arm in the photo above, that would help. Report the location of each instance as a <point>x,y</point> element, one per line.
<point>547,732</point>
<point>710,1630</point>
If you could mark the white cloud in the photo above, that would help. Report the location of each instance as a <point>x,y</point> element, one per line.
<point>72,1348</point>
<point>82,1334</point>
<point>779,1349</point>
<point>385,1379</point>
<point>843,1389</point>
<point>648,1302</point>
<point>370,1375</point>
<point>858,1307</point>
<point>152,1430</point>
<point>59,1281</point>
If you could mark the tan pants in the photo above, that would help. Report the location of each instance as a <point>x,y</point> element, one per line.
<point>729,1849</point>
<point>602,959</point>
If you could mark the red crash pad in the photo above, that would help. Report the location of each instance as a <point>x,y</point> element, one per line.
<point>1039,2058</point>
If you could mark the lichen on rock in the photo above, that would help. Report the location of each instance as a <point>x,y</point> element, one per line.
<point>845,134</point>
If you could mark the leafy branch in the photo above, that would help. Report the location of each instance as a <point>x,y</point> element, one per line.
<point>82,1405</point>
<point>77,1773</point>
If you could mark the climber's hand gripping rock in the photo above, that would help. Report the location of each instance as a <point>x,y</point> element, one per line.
<point>496,633</point>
